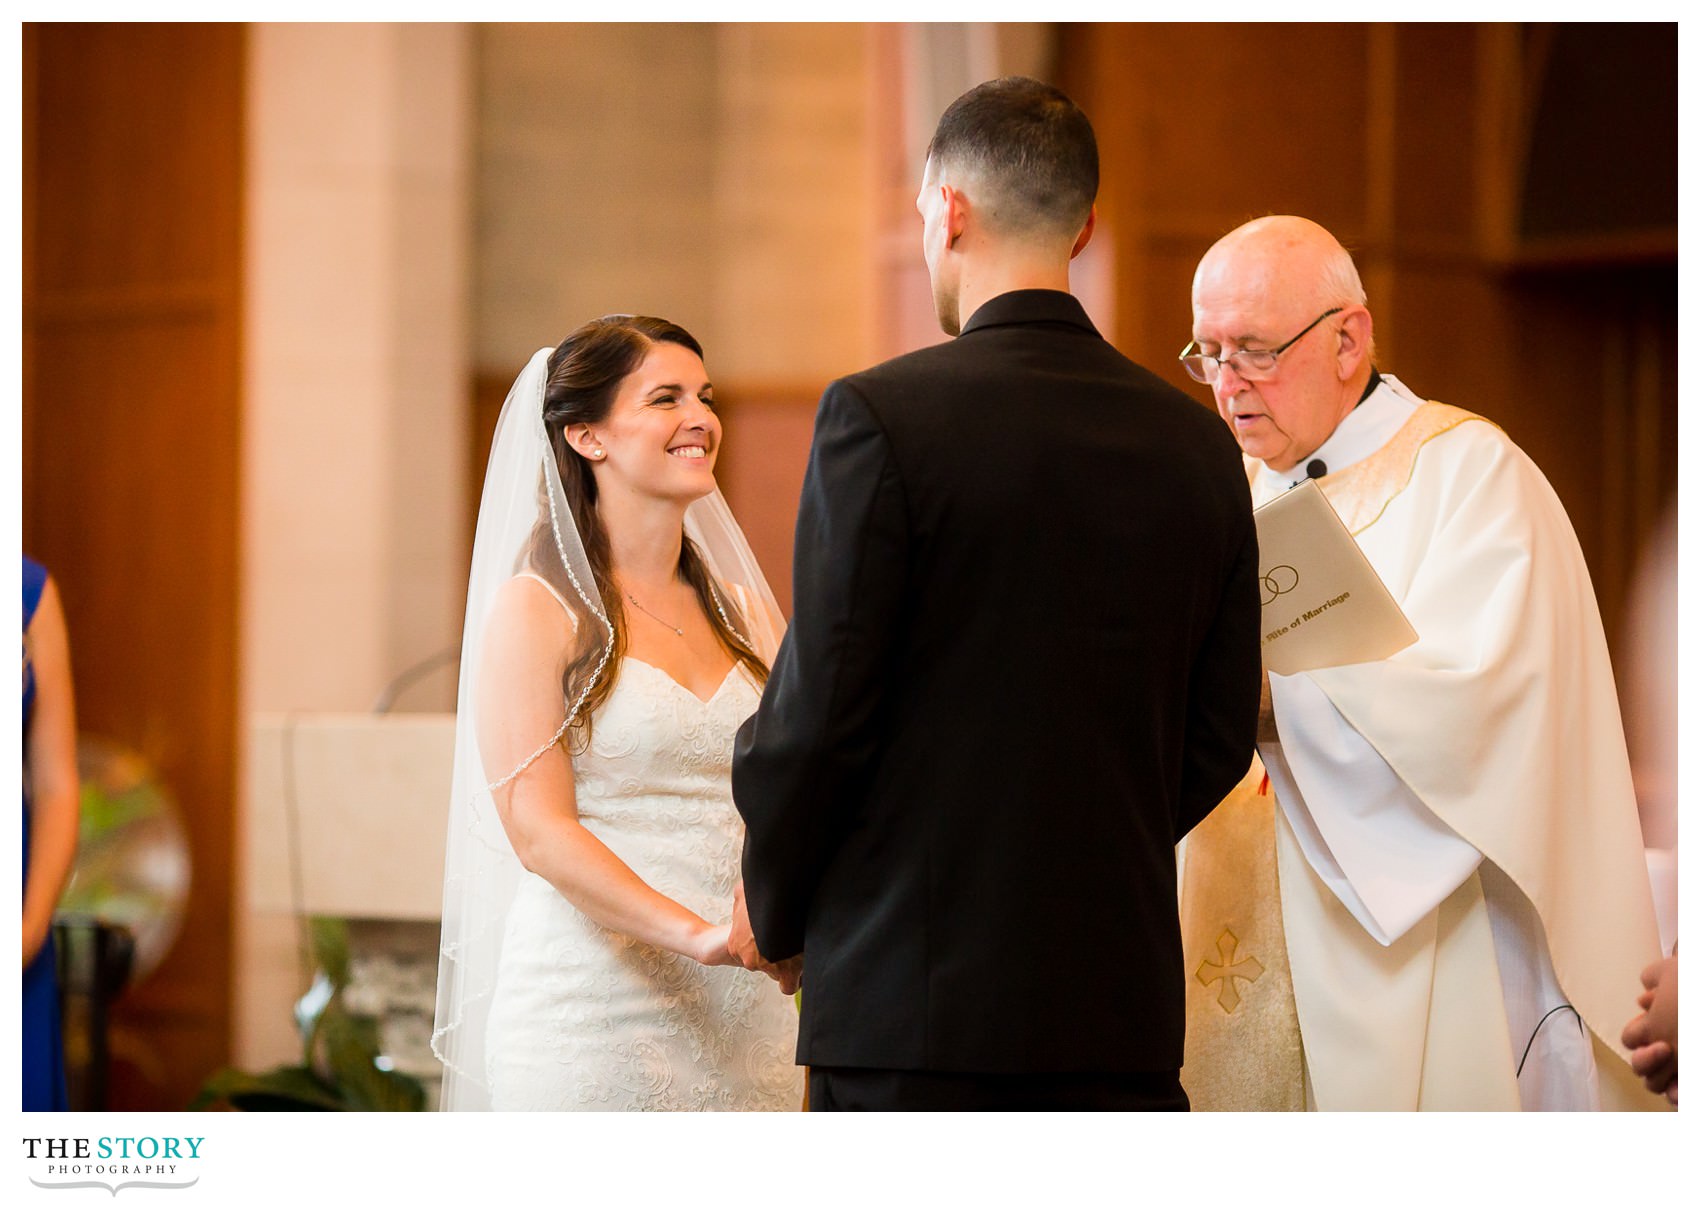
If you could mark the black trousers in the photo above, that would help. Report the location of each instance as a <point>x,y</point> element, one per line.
<point>844,1089</point>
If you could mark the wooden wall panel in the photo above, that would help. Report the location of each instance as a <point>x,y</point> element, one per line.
<point>132,335</point>
<point>133,118</point>
<point>1434,188</point>
<point>767,435</point>
<point>1165,290</point>
<point>1235,120</point>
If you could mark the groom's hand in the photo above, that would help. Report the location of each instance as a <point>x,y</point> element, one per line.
<point>788,973</point>
<point>742,941</point>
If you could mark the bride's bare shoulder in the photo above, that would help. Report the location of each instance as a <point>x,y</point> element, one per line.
<point>527,602</point>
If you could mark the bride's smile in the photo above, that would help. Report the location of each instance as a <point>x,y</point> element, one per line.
<point>661,436</point>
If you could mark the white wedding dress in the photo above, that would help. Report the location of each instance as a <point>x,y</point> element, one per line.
<point>587,1019</point>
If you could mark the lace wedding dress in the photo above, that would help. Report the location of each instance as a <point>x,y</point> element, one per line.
<point>586,1019</point>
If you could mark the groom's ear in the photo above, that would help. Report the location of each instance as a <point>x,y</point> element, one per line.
<point>955,214</point>
<point>1085,232</point>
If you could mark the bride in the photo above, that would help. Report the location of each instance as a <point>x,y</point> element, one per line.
<point>618,631</point>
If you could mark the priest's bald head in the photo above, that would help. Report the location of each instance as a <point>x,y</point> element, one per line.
<point>1281,333</point>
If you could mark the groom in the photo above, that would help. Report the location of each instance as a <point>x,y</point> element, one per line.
<point>1024,662</point>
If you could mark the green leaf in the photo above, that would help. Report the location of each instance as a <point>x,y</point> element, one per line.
<point>387,1091</point>
<point>348,1039</point>
<point>285,1089</point>
<point>351,1051</point>
<point>330,947</point>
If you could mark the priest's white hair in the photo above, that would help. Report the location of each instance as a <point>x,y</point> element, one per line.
<point>1341,286</point>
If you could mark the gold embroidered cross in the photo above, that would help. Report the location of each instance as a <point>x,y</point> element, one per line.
<point>1228,971</point>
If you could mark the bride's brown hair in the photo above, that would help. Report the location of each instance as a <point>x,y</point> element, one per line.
<point>585,373</point>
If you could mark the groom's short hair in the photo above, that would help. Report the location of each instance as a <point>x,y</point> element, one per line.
<point>1031,148</point>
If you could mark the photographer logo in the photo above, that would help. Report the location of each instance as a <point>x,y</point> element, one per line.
<point>113,1163</point>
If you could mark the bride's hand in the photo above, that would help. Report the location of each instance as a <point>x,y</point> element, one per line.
<point>710,946</point>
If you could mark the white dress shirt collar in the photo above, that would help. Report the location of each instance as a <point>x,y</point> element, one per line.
<point>1361,433</point>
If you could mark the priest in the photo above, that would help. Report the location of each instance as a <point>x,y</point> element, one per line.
<point>1430,892</point>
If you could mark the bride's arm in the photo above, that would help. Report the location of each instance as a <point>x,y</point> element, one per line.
<point>527,640</point>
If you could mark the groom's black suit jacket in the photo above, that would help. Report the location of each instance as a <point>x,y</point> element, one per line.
<point>1023,662</point>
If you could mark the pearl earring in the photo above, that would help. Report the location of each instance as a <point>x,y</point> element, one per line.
<point>597,453</point>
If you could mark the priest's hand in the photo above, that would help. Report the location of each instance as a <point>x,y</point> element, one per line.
<point>1651,1035</point>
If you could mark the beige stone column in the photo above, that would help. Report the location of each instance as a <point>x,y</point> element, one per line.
<point>794,214</point>
<point>356,373</point>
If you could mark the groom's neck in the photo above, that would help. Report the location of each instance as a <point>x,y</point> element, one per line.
<point>998,272</point>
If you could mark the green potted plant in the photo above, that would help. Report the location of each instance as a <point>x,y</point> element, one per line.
<point>342,1067</point>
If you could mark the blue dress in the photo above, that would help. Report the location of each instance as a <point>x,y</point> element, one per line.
<point>44,1052</point>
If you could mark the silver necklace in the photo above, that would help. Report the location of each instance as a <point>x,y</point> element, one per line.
<point>675,627</point>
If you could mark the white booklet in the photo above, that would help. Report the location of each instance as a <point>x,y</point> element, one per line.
<point>1323,604</point>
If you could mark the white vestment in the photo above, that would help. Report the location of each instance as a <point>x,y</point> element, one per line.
<point>1461,879</point>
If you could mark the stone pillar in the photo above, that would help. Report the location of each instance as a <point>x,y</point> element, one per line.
<point>356,378</point>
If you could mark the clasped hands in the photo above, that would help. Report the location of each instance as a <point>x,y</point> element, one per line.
<point>742,944</point>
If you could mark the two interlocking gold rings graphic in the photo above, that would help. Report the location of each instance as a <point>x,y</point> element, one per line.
<point>1282,579</point>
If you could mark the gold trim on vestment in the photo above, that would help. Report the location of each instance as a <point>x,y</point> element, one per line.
<point>1360,494</point>
<point>1242,1025</point>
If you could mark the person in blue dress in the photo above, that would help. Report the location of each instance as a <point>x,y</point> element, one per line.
<point>50,829</point>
